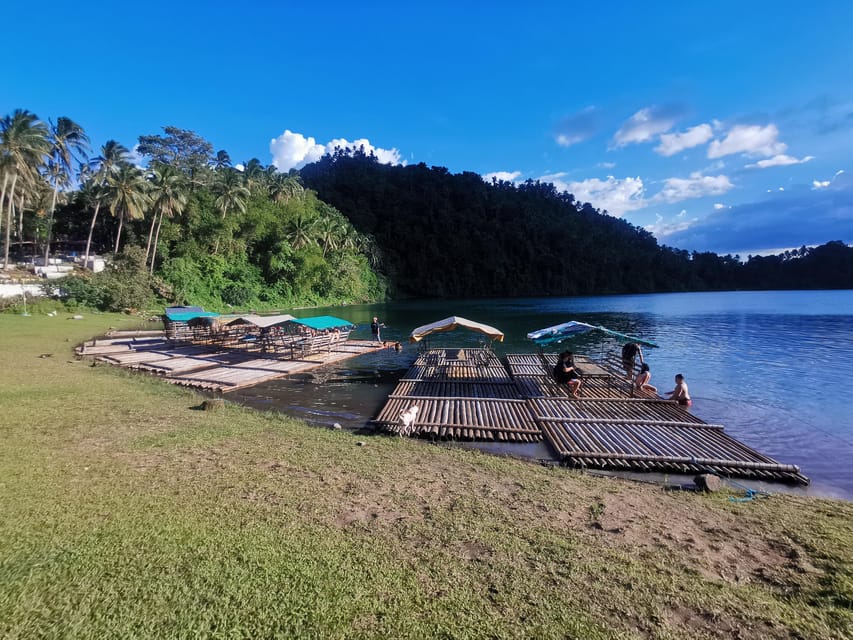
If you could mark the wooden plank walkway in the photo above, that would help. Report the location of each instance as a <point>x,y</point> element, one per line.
<point>470,395</point>
<point>212,368</point>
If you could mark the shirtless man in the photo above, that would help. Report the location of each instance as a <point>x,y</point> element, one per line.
<point>680,394</point>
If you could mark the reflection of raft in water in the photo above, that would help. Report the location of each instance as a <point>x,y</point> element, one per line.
<point>471,394</point>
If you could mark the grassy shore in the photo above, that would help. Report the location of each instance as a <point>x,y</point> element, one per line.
<point>127,513</point>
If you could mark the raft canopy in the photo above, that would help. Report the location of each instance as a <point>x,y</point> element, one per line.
<point>319,323</point>
<point>452,323</point>
<point>185,314</point>
<point>263,322</point>
<point>560,332</point>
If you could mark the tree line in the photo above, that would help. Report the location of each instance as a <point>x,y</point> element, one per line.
<point>191,227</point>
<point>455,235</point>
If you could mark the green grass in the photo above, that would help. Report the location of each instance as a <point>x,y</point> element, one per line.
<point>126,513</point>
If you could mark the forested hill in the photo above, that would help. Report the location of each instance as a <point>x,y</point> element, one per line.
<point>454,235</point>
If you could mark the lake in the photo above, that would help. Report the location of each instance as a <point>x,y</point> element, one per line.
<point>772,366</point>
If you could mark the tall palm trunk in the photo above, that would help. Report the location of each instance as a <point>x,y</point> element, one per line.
<point>50,223</point>
<point>91,230</point>
<point>156,240</point>
<point>118,233</point>
<point>3,196</point>
<point>9,220</point>
<point>151,235</point>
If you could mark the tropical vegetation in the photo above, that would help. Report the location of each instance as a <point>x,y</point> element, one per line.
<point>198,229</point>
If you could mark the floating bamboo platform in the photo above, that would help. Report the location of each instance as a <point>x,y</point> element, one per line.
<point>208,367</point>
<point>471,395</point>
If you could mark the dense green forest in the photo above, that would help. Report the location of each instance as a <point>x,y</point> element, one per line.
<point>455,235</point>
<point>190,227</point>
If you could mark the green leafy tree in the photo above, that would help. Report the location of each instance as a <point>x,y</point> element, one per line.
<point>113,155</point>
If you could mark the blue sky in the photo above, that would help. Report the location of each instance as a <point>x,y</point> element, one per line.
<point>724,126</point>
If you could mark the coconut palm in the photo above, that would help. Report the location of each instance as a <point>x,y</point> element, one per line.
<point>127,195</point>
<point>230,193</point>
<point>283,187</point>
<point>169,197</point>
<point>24,143</point>
<point>221,161</point>
<point>300,230</point>
<point>113,155</point>
<point>67,140</point>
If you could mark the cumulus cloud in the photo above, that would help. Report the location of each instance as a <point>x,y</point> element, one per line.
<point>502,176</point>
<point>662,228</point>
<point>576,128</point>
<point>614,195</point>
<point>792,218</point>
<point>672,143</point>
<point>696,186</point>
<point>647,123</point>
<point>820,184</point>
<point>293,150</point>
<point>781,160</point>
<point>753,140</point>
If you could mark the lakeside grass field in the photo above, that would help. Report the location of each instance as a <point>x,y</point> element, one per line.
<point>128,513</point>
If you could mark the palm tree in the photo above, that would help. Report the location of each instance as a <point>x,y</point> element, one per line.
<point>329,234</point>
<point>66,138</point>
<point>168,198</point>
<point>300,230</point>
<point>127,194</point>
<point>283,187</point>
<point>113,155</point>
<point>221,161</point>
<point>230,192</point>
<point>24,142</point>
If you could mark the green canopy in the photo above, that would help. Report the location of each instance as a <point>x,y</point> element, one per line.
<point>318,323</point>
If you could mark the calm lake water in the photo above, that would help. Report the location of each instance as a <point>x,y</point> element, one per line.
<point>774,367</point>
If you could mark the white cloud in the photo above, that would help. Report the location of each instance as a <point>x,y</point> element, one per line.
<point>718,206</point>
<point>385,156</point>
<point>672,143</point>
<point>646,124</point>
<point>748,139</point>
<point>606,165</point>
<point>820,184</point>
<point>781,160</point>
<point>662,228</point>
<point>696,186</point>
<point>502,176</point>
<point>614,195</point>
<point>293,150</point>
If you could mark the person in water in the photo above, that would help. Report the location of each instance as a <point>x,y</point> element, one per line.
<point>680,394</point>
<point>641,382</point>
<point>566,373</point>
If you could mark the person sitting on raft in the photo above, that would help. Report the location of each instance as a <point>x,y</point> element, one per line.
<point>566,373</point>
<point>641,383</point>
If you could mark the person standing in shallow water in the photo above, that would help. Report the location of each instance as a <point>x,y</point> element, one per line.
<point>680,394</point>
<point>375,326</point>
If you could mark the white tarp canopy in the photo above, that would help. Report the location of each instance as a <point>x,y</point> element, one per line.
<point>455,322</point>
<point>263,321</point>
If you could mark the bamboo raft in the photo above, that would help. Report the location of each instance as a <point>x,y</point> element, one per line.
<point>466,395</point>
<point>209,367</point>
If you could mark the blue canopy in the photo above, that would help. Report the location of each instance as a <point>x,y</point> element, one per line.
<point>319,323</point>
<point>185,314</point>
<point>560,332</point>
